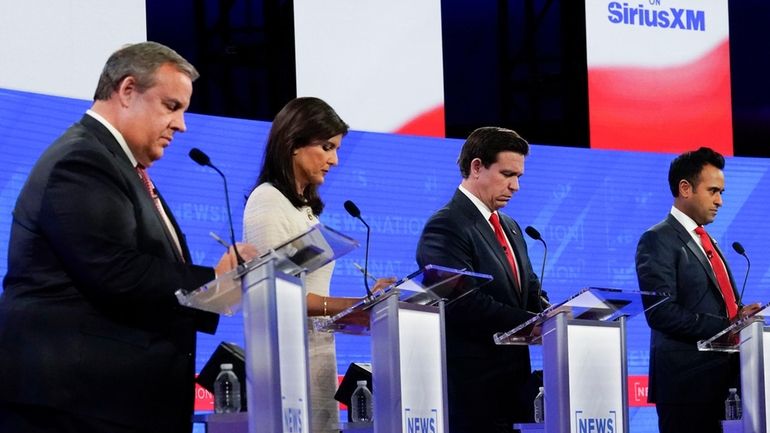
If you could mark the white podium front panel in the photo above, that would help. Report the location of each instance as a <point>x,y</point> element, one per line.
<point>292,354</point>
<point>422,384</point>
<point>275,321</point>
<point>766,369</point>
<point>595,379</point>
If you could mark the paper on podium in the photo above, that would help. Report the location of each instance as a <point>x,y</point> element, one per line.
<point>591,303</point>
<point>427,286</point>
<point>728,340</point>
<point>304,253</point>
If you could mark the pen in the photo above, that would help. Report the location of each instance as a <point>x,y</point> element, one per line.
<point>368,275</point>
<point>220,240</point>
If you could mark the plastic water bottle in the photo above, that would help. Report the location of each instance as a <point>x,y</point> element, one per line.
<point>361,402</point>
<point>227,391</point>
<point>733,409</point>
<point>540,406</point>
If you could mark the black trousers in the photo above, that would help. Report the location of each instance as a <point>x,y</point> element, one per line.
<point>696,417</point>
<point>23,418</point>
<point>487,398</point>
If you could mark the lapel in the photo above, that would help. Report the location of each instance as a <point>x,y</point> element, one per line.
<point>484,230</point>
<point>694,248</point>
<point>182,244</point>
<point>128,172</point>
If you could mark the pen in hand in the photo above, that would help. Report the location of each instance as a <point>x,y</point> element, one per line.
<point>368,275</point>
<point>220,240</point>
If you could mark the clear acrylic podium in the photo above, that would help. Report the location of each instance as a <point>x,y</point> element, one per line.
<point>750,337</point>
<point>584,357</point>
<point>406,323</point>
<point>271,293</point>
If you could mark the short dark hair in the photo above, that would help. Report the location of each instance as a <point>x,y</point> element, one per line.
<point>139,61</point>
<point>301,122</point>
<point>689,165</point>
<point>485,143</point>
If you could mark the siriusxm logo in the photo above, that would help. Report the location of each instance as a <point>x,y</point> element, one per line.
<point>292,420</point>
<point>601,424</point>
<point>421,424</point>
<point>672,18</point>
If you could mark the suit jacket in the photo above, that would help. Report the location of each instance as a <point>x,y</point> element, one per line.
<point>88,319</point>
<point>457,236</point>
<point>668,260</point>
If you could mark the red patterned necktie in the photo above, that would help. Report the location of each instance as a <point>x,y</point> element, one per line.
<point>720,271</point>
<point>145,177</point>
<point>495,220</point>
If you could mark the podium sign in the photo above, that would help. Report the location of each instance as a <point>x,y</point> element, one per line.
<point>751,337</point>
<point>406,324</point>
<point>271,292</point>
<point>584,357</point>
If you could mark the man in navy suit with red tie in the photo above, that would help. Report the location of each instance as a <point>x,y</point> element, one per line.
<point>470,233</point>
<point>679,258</point>
<point>91,336</point>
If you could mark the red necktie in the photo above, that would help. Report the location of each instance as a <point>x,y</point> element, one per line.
<point>145,177</point>
<point>720,271</point>
<point>148,186</point>
<point>495,220</point>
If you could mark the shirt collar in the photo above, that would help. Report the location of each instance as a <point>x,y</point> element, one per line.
<point>688,223</point>
<point>115,133</point>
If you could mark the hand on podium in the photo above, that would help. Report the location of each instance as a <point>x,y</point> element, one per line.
<point>748,311</point>
<point>229,260</point>
<point>383,283</point>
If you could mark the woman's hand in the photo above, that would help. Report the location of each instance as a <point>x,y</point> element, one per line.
<point>383,283</point>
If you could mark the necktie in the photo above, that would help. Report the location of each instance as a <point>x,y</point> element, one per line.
<point>495,220</point>
<point>720,271</point>
<point>145,177</point>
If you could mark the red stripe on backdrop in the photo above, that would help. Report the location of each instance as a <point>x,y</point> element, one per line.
<point>637,394</point>
<point>429,124</point>
<point>637,391</point>
<point>204,400</point>
<point>665,109</point>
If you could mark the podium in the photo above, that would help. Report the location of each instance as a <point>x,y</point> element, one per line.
<point>406,324</point>
<point>271,293</point>
<point>751,337</point>
<point>584,357</point>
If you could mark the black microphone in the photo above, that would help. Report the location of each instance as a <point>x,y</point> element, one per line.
<point>201,158</point>
<point>355,212</point>
<point>534,234</point>
<point>739,249</point>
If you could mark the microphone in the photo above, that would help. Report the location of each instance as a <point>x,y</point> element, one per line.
<point>534,234</point>
<point>201,158</point>
<point>355,212</point>
<point>739,249</point>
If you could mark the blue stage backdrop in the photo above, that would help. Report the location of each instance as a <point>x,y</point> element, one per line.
<point>591,206</point>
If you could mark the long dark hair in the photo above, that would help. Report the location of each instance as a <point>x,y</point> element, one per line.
<point>298,124</point>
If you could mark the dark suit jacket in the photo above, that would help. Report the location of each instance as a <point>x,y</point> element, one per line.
<point>457,236</point>
<point>668,260</point>
<point>88,319</point>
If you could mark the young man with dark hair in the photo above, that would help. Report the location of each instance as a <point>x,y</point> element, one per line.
<point>677,257</point>
<point>485,381</point>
